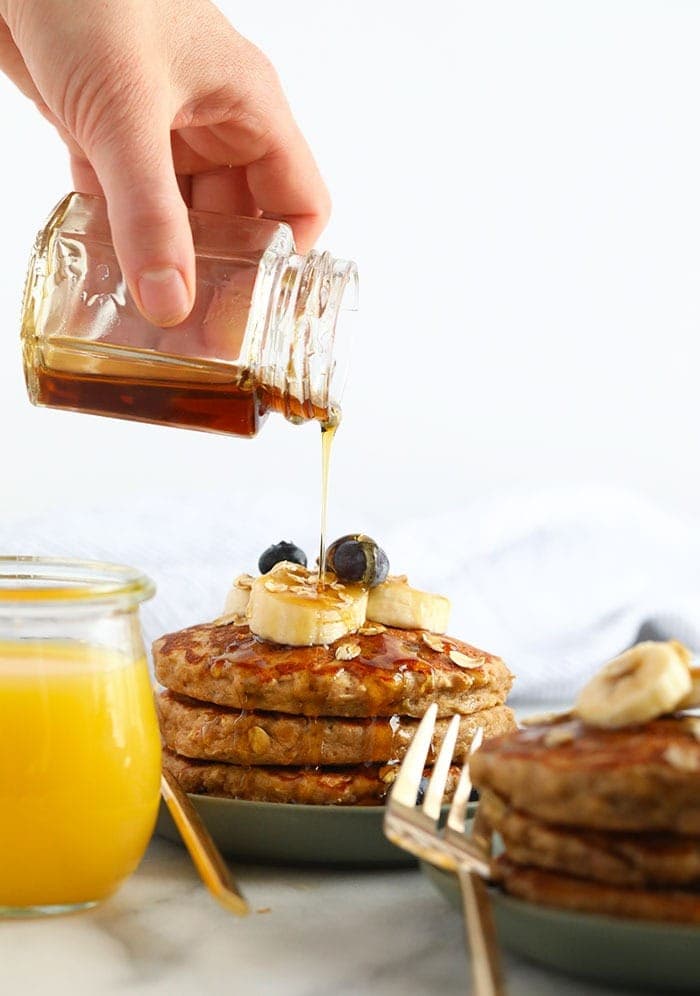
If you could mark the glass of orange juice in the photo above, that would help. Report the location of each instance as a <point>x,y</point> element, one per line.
<point>79,744</point>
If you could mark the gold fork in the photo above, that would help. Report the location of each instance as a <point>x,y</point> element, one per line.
<point>203,851</point>
<point>416,829</point>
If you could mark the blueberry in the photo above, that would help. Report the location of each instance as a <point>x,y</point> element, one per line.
<point>275,554</point>
<point>358,559</point>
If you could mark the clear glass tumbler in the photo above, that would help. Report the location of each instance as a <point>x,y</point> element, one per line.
<point>80,752</point>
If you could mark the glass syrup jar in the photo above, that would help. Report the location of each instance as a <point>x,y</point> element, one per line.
<point>261,337</point>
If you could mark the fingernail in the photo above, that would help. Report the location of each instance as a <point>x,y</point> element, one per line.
<point>164,295</point>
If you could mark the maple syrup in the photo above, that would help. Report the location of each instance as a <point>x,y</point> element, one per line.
<point>393,667</point>
<point>217,407</point>
<point>230,405</point>
<point>329,427</point>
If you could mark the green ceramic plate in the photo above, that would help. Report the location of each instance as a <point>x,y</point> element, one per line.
<point>289,834</point>
<point>634,953</point>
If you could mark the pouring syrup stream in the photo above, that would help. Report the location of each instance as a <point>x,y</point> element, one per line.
<point>328,431</point>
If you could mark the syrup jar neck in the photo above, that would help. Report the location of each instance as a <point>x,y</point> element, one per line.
<point>296,350</point>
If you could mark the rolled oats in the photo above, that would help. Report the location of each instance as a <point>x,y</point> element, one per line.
<point>276,586</point>
<point>372,629</point>
<point>461,660</point>
<point>347,651</point>
<point>681,757</point>
<point>258,739</point>
<point>545,718</point>
<point>558,736</point>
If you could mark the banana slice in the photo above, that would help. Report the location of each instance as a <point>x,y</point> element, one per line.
<point>237,598</point>
<point>646,681</point>
<point>692,699</point>
<point>287,607</point>
<point>395,603</point>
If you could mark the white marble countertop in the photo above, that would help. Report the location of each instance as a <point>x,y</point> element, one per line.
<point>311,933</point>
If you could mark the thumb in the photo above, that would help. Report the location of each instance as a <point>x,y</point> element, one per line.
<point>151,231</point>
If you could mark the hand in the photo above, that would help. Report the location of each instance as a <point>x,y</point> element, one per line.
<point>162,105</point>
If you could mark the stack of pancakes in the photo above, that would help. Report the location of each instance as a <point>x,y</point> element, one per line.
<point>245,718</point>
<point>598,820</point>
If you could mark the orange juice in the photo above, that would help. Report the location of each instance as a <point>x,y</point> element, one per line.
<point>79,771</point>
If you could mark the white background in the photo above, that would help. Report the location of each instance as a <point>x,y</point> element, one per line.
<point>519,183</point>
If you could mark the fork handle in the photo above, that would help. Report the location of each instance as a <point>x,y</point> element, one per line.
<point>481,935</point>
<point>203,851</point>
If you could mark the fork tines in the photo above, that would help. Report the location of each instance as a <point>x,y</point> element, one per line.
<point>416,828</point>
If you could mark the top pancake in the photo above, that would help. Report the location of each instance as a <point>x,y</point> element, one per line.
<point>396,671</point>
<point>639,778</point>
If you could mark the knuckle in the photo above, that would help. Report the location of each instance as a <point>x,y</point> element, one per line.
<point>266,73</point>
<point>257,65</point>
<point>104,99</point>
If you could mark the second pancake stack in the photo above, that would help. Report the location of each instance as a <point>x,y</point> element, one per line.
<point>605,819</point>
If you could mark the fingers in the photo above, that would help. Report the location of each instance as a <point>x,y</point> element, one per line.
<point>224,191</point>
<point>132,160</point>
<point>241,118</point>
<point>285,180</point>
<point>12,63</point>
<point>118,81</point>
<point>185,187</point>
<point>84,177</point>
<point>287,185</point>
<point>267,169</point>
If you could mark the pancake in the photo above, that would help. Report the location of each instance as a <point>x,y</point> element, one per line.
<point>644,778</point>
<point>395,672</point>
<point>357,785</point>
<point>216,733</point>
<point>633,859</point>
<point>568,892</point>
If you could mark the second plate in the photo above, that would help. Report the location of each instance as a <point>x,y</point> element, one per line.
<point>637,953</point>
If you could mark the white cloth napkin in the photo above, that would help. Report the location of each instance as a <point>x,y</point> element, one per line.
<point>556,581</point>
